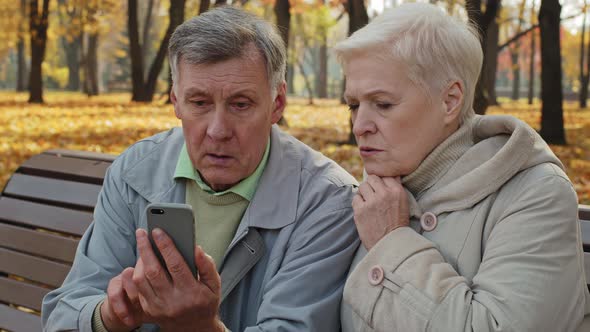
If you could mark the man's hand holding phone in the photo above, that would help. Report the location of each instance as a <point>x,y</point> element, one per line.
<point>175,300</point>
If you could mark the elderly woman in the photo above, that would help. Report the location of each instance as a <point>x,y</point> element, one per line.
<point>469,222</point>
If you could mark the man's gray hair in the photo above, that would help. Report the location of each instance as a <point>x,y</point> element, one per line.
<point>225,33</point>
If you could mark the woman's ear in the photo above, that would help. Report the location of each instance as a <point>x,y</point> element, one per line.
<point>453,101</point>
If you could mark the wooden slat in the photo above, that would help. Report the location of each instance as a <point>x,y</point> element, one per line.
<point>44,216</point>
<point>65,168</point>
<point>33,268</point>
<point>38,243</point>
<point>584,212</point>
<point>52,191</point>
<point>585,228</point>
<point>18,321</point>
<point>22,293</point>
<point>587,266</point>
<point>82,154</point>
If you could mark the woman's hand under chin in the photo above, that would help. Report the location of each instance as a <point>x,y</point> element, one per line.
<point>380,206</point>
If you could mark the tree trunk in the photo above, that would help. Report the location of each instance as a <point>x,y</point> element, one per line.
<point>145,36</point>
<point>204,6</point>
<point>307,82</point>
<point>322,82</point>
<point>532,59</point>
<point>72,50</point>
<point>137,83</point>
<point>21,73</point>
<point>38,29</point>
<point>219,3</point>
<point>283,15</point>
<point>357,18</point>
<point>515,72</point>
<point>482,21</point>
<point>143,90</point>
<point>491,64</point>
<point>552,125</point>
<point>584,74</point>
<point>91,77</point>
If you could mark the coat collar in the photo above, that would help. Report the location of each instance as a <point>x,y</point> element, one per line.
<point>152,177</point>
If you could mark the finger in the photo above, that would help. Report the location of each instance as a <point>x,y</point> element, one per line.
<point>129,286</point>
<point>175,263</point>
<point>366,191</point>
<point>392,183</point>
<point>144,288</point>
<point>152,269</point>
<point>117,301</point>
<point>376,183</point>
<point>356,201</point>
<point>207,271</point>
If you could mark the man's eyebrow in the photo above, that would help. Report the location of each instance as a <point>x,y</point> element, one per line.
<point>192,92</point>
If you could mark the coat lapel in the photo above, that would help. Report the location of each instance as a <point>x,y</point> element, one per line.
<point>240,260</point>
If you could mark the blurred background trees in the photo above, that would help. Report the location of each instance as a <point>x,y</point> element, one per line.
<point>534,49</point>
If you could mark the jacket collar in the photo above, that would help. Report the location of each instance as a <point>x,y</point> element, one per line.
<point>152,177</point>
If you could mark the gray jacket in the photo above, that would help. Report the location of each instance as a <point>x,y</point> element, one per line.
<point>285,267</point>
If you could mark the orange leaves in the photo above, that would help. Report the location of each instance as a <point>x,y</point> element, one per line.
<point>111,123</point>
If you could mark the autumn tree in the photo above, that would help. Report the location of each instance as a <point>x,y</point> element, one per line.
<point>143,88</point>
<point>533,50</point>
<point>38,24</point>
<point>552,126</point>
<point>357,18</point>
<point>482,21</point>
<point>584,59</point>
<point>21,76</point>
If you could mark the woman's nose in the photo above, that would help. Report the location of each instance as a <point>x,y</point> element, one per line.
<point>362,122</point>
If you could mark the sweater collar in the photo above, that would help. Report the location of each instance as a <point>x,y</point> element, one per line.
<point>439,161</point>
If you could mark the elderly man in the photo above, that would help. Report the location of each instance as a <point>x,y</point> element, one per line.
<point>273,215</point>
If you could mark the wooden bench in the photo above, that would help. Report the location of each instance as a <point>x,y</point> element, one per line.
<point>44,209</point>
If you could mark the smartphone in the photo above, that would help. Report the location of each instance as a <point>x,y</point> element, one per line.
<point>178,221</point>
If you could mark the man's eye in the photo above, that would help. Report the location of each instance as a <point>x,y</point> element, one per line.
<point>199,103</point>
<point>241,106</point>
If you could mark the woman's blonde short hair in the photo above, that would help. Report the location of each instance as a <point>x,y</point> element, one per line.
<point>435,47</point>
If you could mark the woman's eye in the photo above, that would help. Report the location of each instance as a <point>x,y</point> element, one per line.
<point>353,107</point>
<point>383,106</point>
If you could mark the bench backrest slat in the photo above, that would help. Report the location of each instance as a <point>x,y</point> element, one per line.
<point>38,243</point>
<point>33,268</point>
<point>53,191</point>
<point>20,293</point>
<point>38,215</point>
<point>65,168</point>
<point>20,321</point>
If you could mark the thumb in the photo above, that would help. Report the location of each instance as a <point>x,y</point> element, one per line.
<point>207,271</point>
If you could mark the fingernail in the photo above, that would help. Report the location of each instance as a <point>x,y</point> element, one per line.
<point>157,233</point>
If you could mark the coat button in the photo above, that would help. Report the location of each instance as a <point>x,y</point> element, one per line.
<point>376,275</point>
<point>428,221</point>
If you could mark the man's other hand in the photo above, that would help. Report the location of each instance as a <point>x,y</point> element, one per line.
<point>119,312</point>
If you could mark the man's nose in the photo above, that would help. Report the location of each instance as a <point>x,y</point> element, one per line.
<point>363,122</point>
<point>220,127</point>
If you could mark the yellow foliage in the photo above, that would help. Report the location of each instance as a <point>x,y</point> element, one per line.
<point>110,123</point>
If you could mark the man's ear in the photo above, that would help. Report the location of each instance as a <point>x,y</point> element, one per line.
<point>453,101</point>
<point>174,101</point>
<point>279,103</point>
